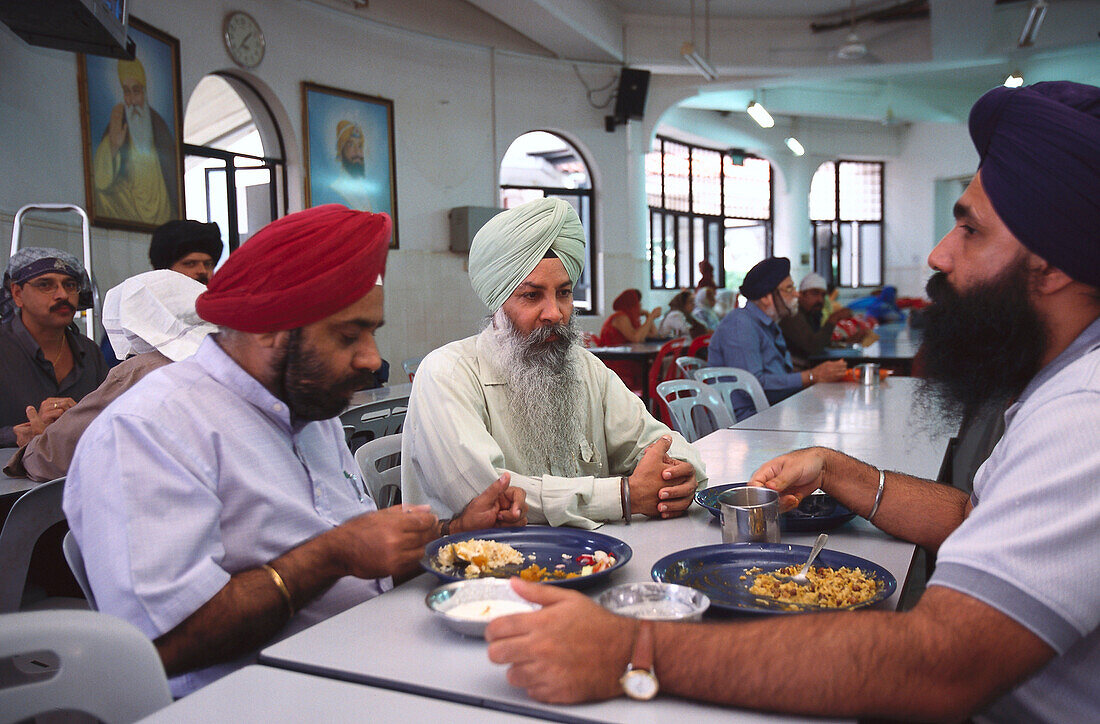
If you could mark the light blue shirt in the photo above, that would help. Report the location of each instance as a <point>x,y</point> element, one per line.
<point>706,316</point>
<point>749,339</point>
<point>197,473</point>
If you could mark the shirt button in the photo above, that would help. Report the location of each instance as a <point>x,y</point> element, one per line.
<point>277,407</point>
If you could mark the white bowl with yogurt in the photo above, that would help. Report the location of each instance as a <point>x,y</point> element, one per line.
<point>655,601</point>
<point>468,606</point>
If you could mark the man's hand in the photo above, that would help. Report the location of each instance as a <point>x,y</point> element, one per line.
<point>117,128</point>
<point>842,313</point>
<point>499,505</point>
<point>388,542</point>
<point>794,476</point>
<point>831,371</point>
<point>569,651</point>
<point>38,420</point>
<point>660,486</point>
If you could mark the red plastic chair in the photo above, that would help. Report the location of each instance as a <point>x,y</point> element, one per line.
<point>663,369</point>
<point>699,346</point>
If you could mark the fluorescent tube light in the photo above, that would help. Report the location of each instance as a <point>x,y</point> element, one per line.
<point>1035,15</point>
<point>700,63</point>
<point>795,146</point>
<point>1014,80</point>
<point>760,115</point>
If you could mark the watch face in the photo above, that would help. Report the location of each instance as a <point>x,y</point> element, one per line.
<point>244,40</point>
<point>639,684</point>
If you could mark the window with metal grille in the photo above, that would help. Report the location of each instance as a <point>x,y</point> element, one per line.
<point>846,222</point>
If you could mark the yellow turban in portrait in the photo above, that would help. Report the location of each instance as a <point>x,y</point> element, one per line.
<point>512,243</point>
<point>131,70</point>
<point>344,132</point>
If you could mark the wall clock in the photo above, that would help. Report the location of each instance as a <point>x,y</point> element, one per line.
<point>244,40</point>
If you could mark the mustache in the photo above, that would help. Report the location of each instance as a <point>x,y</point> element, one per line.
<point>63,306</point>
<point>938,288</point>
<point>542,335</point>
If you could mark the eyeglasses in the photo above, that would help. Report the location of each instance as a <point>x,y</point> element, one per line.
<point>789,289</point>
<point>48,286</point>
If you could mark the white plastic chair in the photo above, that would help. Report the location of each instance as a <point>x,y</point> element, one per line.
<point>373,420</point>
<point>410,366</point>
<point>75,559</point>
<point>689,404</point>
<point>688,365</point>
<point>33,513</point>
<point>725,380</point>
<point>79,661</point>
<point>384,484</point>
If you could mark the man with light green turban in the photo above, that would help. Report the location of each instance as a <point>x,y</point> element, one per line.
<point>524,397</point>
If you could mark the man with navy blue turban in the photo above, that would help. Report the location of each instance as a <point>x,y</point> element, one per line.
<point>749,338</point>
<point>524,397</point>
<point>1009,627</point>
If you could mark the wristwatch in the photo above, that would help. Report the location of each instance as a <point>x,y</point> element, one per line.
<point>639,681</point>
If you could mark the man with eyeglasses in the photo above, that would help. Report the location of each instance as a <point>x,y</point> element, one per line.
<point>749,338</point>
<point>47,365</point>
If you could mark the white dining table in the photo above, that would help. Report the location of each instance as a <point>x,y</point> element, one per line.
<point>9,485</point>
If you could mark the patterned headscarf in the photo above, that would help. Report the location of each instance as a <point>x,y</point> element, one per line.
<point>34,261</point>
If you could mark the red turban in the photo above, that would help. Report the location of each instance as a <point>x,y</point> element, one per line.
<point>298,270</point>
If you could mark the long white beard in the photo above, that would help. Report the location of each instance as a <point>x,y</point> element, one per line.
<point>545,392</point>
<point>140,123</point>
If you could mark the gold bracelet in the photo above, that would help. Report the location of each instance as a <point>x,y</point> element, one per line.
<point>281,585</point>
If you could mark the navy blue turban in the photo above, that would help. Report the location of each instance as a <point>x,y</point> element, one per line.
<point>763,278</point>
<point>1040,166</point>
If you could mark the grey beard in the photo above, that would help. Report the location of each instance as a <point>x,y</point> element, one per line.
<point>140,124</point>
<point>545,392</point>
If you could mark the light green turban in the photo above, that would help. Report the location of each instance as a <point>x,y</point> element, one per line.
<point>512,243</point>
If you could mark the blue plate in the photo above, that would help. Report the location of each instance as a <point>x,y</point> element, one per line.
<point>546,544</point>
<point>815,514</point>
<point>716,571</point>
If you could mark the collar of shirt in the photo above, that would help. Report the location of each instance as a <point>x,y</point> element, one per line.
<point>1087,341</point>
<point>34,350</point>
<point>225,369</point>
<point>758,316</point>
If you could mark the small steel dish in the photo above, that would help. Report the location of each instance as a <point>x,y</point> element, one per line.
<point>444,599</point>
<point>655,601</point>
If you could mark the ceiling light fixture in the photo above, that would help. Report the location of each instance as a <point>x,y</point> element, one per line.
<point>699,62</point>
<point>760,115</point>
<point>1015,79</point>
<point>796,147</point>
<point>1035,15</point>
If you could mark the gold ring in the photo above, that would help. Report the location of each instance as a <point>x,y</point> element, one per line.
<point>56,405</point>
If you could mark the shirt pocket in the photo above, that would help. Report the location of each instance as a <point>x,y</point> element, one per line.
<point>588,459</point>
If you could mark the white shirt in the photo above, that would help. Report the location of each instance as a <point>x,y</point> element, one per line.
<point>459,436</point>
<point>197,473</point>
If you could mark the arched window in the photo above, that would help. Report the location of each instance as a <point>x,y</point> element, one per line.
<point>846,220</point>
<point>540,164</point>
<point>705,204</point>
<point>234,168</point>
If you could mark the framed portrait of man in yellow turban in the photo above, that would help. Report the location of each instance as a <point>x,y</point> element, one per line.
<point>132,126</point>
<point>349,155</point>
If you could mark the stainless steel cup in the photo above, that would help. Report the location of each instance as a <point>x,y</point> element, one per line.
<point>749,515</point>
<point>868,374</point>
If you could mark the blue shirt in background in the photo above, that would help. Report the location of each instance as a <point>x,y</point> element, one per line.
<point>748,339</point>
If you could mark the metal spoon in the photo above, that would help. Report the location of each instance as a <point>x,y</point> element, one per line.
<point>800,577</point>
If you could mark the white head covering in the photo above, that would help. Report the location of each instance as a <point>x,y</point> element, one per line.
<point>155,311</point>
<point>812,281</point>
<point>512,243</point>
<point>723,301</point>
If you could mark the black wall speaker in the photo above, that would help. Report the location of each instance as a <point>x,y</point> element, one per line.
<point>630,99</point>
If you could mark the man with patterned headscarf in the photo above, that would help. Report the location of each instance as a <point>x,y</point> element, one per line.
<point>47,366</point>
<point>524,397</point>
<point>135,169</point>
<point>216,502</point>
<point>1008,629</point>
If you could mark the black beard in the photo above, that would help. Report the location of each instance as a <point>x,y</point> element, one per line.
<point>307,391</point>
<point>982,346</point>
<point>357,169</point>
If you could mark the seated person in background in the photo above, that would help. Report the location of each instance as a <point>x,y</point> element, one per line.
<point>216,503</point>
<point>47,365</point>
<point>151,321</point>
<point>706,275</point>
<point>1009,627</point>
<point>524,397</point>
<point>679,322</point>
<point>625,325</point>
<point>805,332</point>
<point>749,338</point>
<point>704,308</point>
<point>724,301</point>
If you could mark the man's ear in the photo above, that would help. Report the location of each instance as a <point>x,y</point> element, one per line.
<point>17,294</point>
<point>1047,278</point>
<point>273,340</point>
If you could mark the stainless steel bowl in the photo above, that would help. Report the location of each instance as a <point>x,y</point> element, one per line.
<point>468,606</point>
<point>655,601</point>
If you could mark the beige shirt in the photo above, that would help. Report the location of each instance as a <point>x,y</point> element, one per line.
<point>459,436</point>
<point>47,456</point>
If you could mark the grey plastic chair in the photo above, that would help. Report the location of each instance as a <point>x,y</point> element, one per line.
<point>377,419</point>
<point>688,365</point>
<point>727,379</point>
<point>79,661</point>
<point>75,559</point>
<point>34,512</point>
<point>410,366</point>
<point>694,408</point>
<point>380,461</point>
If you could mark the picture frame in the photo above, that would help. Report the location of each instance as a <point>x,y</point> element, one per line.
<point>131,123</point>
<point>349,151</point>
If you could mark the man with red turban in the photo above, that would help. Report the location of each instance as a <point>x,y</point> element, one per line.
<point>216,502</point>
